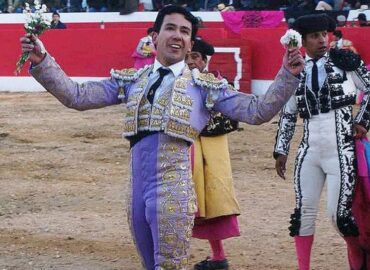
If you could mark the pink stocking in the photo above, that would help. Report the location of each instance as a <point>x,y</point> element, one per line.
<point>218,253</point>
<point>356,256</point>
<point>303,245</point>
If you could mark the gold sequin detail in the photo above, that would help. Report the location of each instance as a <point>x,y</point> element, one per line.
<point>183,99</point>
<point>129,126</point>
<point>182,129</point>
<point>181,83</point>
<point>127,72</point>
<point>180,113</point>
<point>209,78</point>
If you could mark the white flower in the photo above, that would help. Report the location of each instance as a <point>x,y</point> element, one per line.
<point>291,39</point>
<point>44,8</point>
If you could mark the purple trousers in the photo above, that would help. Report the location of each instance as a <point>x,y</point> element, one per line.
<point>162,202</point>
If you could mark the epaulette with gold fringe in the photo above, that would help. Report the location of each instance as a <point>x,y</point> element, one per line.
<point>128,74</point>
<point>208,80</point>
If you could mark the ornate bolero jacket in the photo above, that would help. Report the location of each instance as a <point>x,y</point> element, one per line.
<point>181,111</point>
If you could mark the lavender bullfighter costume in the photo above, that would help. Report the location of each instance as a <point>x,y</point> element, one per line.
<point>162,202</point>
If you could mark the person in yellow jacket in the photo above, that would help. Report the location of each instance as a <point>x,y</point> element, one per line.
<point>218,208</point>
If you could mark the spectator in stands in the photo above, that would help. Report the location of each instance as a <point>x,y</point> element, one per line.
<point>128,6</point>
<point>324,5</point>
<point>291,23</point>
<point>341,43</point>
<point>145,52</point>
<point>97,6</point>
<point>3,6</point>
<point>303,5</point>
<point>362,20</point>
<point>75,6</point>
<point>223,8</point>
<point>56,23</point>
<point>17,5</point>
<point>341,21</point>
<point>356,4</point>
<point>55,5</point>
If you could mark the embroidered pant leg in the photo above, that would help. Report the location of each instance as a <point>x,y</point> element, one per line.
<point>326,148</point>
<point>309,184</point>
<point>316,160</point>
<point>163,166</point>
<point>333,179</point>
<point>175,204</point>
<point>140,229</point>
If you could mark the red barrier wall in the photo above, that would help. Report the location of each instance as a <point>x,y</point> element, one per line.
<point>92,52</point>
<point>267,51</point>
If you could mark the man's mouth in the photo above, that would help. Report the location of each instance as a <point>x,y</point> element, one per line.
<point>175,46</point>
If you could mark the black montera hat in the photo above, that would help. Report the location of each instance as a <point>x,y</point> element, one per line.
<point>204,48</point>
<point>314,23</point>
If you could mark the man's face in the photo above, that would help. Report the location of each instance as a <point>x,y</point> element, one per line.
<point>195,60</point>
<point>55,18</point>
<point>173,40</point>
<point>316,44</point>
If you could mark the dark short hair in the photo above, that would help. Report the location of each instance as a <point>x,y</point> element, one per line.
<point>149,30</point>
<point>56,13</point>
<point>362,17</point>
<point>203,48</point>
<point>338,33</point>
<point>170,9</point>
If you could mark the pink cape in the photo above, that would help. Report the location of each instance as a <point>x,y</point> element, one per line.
<point>141,61</point>
<point>361,198</point>
<point>236,20</point>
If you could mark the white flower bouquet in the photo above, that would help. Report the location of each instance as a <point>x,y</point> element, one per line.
<point>291,39</point>
<point>36,24</point>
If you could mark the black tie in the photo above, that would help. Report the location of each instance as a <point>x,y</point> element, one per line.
<point>315,77</point>
<point>162,72</point>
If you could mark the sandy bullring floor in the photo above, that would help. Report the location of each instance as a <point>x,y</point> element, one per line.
<point>63,178</point>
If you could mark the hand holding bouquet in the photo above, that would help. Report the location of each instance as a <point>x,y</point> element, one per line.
<point>291,39</point>
<point>36,24</point>
<point>293,60</point>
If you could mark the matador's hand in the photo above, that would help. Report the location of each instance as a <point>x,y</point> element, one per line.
<point>35,48</point>
<point>359,131</point>
<point>280,165</point>
<point>293,61</point>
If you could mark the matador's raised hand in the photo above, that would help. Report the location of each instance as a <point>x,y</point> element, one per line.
<point>35,48</point>
<point>293,61</point>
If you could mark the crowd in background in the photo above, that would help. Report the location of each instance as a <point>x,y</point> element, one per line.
<point>128,6</point>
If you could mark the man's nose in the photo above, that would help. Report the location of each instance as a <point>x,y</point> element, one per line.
<point>177,34</point>
<point>322,38</point>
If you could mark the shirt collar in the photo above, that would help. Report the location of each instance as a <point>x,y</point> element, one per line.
<point>308,58</point>
<point>176,69</point>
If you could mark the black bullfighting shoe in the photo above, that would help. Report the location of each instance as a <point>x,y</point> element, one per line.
<point>212,265</point>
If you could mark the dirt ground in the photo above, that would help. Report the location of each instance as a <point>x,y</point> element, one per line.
<point>63,178</point>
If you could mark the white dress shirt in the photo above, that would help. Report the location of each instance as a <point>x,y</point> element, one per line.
<point>169,79</point>
<point>320,68</point>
